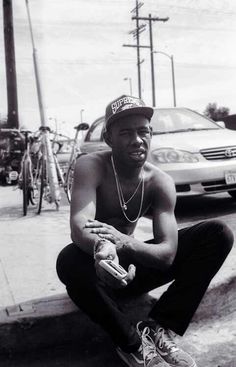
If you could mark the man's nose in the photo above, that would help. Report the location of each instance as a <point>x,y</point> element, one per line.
<point>136,139</point>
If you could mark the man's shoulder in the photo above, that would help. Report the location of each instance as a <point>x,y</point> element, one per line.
<point>157,175</point>
<point>161,184</point>
<point>95,161</point>
<point>95,157</point>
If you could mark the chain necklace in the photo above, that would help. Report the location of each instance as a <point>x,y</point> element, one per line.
<point>123,203</point>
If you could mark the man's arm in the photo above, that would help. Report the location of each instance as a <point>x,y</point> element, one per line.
<point>87,176</point>
<point>162,251</point>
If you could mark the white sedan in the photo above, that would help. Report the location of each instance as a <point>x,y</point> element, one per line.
<point>198,153</point>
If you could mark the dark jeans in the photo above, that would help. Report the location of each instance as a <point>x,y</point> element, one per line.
<point>202,249</point>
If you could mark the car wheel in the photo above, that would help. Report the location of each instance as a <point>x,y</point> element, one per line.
<point>232,193</point>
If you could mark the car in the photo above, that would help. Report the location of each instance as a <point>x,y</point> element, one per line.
<point>198,153</point>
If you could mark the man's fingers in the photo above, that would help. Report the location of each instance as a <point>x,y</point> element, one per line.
<point>124,283</point>
<point>107,236</point>
<point>91,223</point>
<point>131,273</point>
<point>103,254</point>
<point>101,230</point>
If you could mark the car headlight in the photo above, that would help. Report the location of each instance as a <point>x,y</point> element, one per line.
<point>169,155</point>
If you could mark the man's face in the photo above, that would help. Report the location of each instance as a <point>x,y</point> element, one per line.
<point>130,139</point>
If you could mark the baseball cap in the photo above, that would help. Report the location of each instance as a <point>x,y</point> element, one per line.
<point>125,106</point>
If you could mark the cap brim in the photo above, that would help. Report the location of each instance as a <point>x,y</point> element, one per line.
<point>145,111</point>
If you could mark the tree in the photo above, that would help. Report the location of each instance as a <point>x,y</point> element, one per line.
<point>216,113</point>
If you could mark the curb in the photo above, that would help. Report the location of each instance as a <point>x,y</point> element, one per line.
<point>55,320</point>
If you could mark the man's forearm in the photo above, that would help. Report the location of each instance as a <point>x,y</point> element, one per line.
<point>91,243</point>
<point>156,255</point>
<point>84,239</point>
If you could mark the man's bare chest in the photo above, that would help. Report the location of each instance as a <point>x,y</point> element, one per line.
<point>109,203</point>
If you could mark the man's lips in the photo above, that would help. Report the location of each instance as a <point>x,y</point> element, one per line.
<point>138,154</point>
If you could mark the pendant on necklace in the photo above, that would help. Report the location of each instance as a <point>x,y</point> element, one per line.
<point>124,206</point>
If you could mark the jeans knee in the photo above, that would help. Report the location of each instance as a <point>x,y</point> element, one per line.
<point>63,263</point>
<point>60,268</point>
<point>224,235</point>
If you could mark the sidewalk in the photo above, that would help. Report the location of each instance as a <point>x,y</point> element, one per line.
<point>33,299</point>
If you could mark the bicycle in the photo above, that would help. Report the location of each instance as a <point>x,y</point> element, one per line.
<point>26,177</point>
<point>46,177</point>
<point>75,153</point>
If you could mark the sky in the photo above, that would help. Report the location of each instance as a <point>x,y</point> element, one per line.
<point>83,62</point>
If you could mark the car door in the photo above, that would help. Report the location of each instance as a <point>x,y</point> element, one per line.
<point>93,141</point>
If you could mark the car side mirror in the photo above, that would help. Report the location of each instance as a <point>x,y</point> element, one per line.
<point>220,123</point>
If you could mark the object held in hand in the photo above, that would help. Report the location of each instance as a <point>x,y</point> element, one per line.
<point>114,269</point>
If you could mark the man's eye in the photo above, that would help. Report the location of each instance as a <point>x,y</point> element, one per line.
<point>144,132</point>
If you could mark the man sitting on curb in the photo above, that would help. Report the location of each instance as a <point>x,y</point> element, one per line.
<point>111,191</point>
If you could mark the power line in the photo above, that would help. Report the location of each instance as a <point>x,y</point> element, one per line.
<point>209,10</point>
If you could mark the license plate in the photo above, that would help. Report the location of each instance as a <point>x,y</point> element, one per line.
<point>230,178</point>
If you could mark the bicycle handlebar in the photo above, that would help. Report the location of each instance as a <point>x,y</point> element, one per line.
<point>82,126</point>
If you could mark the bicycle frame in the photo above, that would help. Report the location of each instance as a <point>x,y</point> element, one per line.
<point>48,156</point>
<point>75,152</point>
<point>26,180</point>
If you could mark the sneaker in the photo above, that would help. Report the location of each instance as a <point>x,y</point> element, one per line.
<point>166,347</point>
<point>132,359</point>
<point>150,356</point>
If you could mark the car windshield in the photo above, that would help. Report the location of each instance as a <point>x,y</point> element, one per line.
<point>166,120</point>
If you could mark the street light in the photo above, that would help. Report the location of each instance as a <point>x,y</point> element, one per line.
<point>130,84</point>
<point>81,115</point>
<point>171,57</point>
<point>55,120</point>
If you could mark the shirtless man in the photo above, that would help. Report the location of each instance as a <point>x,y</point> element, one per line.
<point>111,191</point>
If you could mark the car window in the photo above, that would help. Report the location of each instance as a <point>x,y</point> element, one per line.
<point>95,134</point>
<point>176,120</point>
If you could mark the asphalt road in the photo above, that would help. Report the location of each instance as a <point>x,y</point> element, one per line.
<point>198,208</point>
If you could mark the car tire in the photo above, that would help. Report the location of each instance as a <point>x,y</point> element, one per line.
<point>232,193</point>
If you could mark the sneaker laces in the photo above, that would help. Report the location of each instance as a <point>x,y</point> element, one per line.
<point>165,339</point>
<point>149,348</point>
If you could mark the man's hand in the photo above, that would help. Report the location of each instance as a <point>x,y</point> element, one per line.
<point>108,250</point>
<point>111,281</point>
<point>106,231</point>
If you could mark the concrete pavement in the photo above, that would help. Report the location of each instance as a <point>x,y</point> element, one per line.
<point>34,309</point>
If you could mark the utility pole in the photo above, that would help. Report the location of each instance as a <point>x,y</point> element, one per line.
<point>12,114</point>
<point>138,5</point>
<point>136,34</point>
<point>151,19</point>
<point>173,79</point>
<point>36,71</point>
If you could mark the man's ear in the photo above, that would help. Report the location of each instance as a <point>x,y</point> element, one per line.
<point>151,130</point>
<point>107,138</point>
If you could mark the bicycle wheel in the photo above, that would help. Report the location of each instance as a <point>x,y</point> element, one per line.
<point>25,185</point>
<point>69,181</point>
<point>40,183</point>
